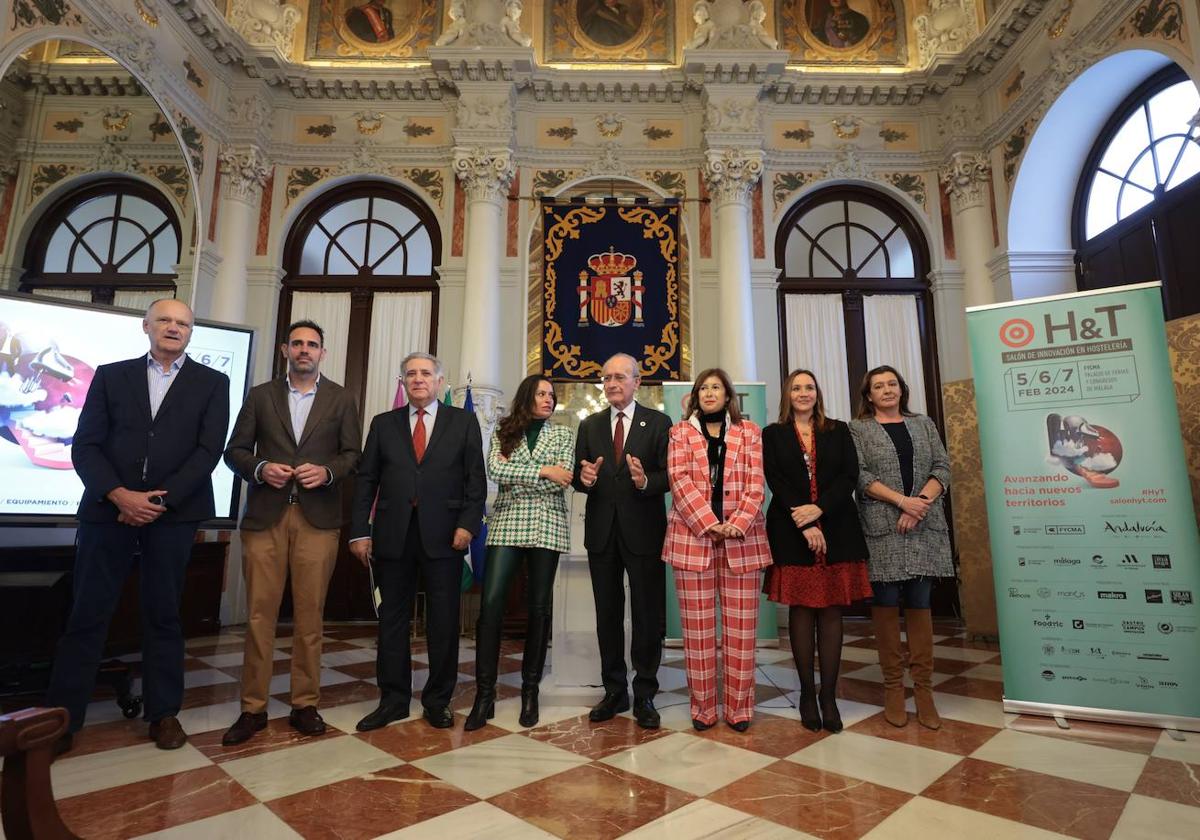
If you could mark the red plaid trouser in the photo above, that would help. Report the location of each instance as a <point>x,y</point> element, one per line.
<point>739,622</point>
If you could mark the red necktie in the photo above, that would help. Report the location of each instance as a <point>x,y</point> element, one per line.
<point>419,435</point>
<point>619,437</point>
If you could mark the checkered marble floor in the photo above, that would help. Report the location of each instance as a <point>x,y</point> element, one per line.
<point>983,775</point>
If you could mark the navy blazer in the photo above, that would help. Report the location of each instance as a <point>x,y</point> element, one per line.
<point>118,444</point>
<point>449,485</point>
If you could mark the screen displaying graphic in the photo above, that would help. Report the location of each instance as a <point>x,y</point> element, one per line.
<point>1094,546</point>
<point>49,352</point>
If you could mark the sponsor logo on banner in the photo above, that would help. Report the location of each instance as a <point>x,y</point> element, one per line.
<point>1077,624</point>
<point>1110,595</point>
<point>1135,527</point>
<point>1154,657</point>
<point>1014,592</point>
<point>1076,678</point>
<point>1098,560</point>
<point>1168,684</point>
<point>1154,596</point>
<point>1067,561</point>
<point>1047,675</point>
<point>1161,561</point>
<point>1045,592</point>
<point>1073,530</point>
<point>1181,596</point>
<point>1166,628</point>
<point>1071,594</point>
<point>1133,625</point>
<point>1047,623</point>
<point>1130,561</point>
<point>1144,682</point>
<point>1049,650</point>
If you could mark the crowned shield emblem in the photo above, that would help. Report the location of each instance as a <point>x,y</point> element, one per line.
<point>610,294</point>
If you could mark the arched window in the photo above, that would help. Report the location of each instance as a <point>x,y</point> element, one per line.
<point>110,236</point>
<point>853,294</point>
<point>1138,197</point>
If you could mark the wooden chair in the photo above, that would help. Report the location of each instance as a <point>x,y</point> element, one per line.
<point>27,806</point>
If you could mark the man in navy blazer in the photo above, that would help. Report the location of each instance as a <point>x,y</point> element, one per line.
<point>425,460</point>
<point>151,431</point>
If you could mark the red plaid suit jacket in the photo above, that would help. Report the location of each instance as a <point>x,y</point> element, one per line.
<point>687,545</point>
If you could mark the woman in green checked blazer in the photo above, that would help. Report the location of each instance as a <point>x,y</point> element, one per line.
<point>531,459</point>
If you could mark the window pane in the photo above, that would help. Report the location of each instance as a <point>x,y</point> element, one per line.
<point>91,210</point>
<point>1142,172</point>
<point>166,251</point>
<point>1132,200</point>
<point>1189,165</point>
<point>834,244</point>
<point>901,254</point>
<point>84,264</point>
<point>870,217</point>
<point>312,259</point>
<point>58,250</point>
<point>344,213</point>
<point>338,264</point>
<point>98,239</point>
<point>354,240</point>
<point>382,239</point>
<point>876,267</point>
<point>795,255</point>
<point>1167,150</point>
<point>822,267</point>
<point>395,214</point>
<point>394,264</point>
<point>821,217</point>
<point>142,211</point>
<point>130,237</point>
<point>420,253</point>
<point>1127,144</point>
<point>1102,204</point>
<point>1171,109</point>
<point>862,243</point>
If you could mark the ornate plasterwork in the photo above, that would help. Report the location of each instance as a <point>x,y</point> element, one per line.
<point>846,165</point>
<point>485,173</point>
<point>484,23</point>
<point>948,27</point>
<point>965,178</point>
<point>485,113</point>
<point>730,174</point>
<point>1067,63</point>
<point>251,110</point>
<point>244,171</point>
<point>112,156</point>
<point>962,119</point>
<point>265,23</point>
<point>364,158</point>
<point>734,114</point>
<point>730,25</point>
<point>608,162</point>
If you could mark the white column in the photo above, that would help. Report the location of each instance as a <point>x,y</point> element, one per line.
<point>730,175</point>
<point>954,354</point>
<point>965,179</point>
<point>243,173</point>
<point>486,175</point>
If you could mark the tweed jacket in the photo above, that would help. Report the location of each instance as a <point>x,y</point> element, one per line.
<point>925,551</point>
<point>531,511</point>
<point>687,545</point>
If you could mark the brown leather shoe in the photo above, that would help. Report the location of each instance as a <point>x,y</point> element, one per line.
<point>244,727</point>
<point>167,734</point>
<point>307,721</point>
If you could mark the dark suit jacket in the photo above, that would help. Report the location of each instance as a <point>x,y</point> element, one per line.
<point>449,484</point>
<point>116,442</point>
<point>837,476</point>
<point>263,432</point>
<point>642,513</point>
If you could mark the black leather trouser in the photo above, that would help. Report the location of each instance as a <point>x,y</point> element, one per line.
<point>503,562</point>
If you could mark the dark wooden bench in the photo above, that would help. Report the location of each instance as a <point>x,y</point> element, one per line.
<point>27,806</point>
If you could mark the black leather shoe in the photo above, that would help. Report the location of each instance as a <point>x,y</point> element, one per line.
<point>529,705</point>
<point>700,725</point>
<point>612,705</point>
<point>740,726</point>
<point>645,714</point>
<point>440,718</point>
<point>167,734</point>
<point>307,721</point>
<point>382,716</point>
<point>244,727</point>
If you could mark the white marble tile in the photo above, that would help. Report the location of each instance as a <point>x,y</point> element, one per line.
<point>710,821</point>
<point>851,711</point>
<point>675,710</point>
<point>784,677</point>
<point>207,676</point>
<point>347,657</point>
<point>873,673</point>
<point>672,679</point>
<point>1187,750</point>
<point>888,763</point>
<point>282,683</point>
<point>72,776</point>
<point>492,767</point>
<point>696,765</point>
<point>772,656</point>
<point>480,821</point>
<point>858,654</point>
<point>102,711</point>
<point>256,821</point>
<point>986,671</point>
<point>1145,818</point>
<point>235,659</point>
<point>279,773</point>
<point>968,709</point>
<point>672,655</point>
<point>921,817</point>
<point>1118,769</point>
<point>222,715</point>
<point>364,642</point>
<point>963,654</point>
<point>507,712</point>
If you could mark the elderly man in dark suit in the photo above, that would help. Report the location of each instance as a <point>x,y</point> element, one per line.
<point>150,434</point>
<point>621,457</point>
<point>425,461</point>
<point>294,441</point>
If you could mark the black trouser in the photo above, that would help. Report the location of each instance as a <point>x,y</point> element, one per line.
<point>648,598</point>
<point>503,561</point>
<point>103,560</point>
<point>397,581</point>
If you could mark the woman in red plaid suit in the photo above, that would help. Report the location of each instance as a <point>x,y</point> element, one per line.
<point>716,542</point>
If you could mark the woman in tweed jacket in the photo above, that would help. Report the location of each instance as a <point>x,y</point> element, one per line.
<point>903,474</point>
<point>530,459</point>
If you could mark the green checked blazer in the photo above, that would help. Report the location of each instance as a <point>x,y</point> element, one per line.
<point>530,511</point>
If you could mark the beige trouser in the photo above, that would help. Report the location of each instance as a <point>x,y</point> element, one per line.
<point>309,553</point>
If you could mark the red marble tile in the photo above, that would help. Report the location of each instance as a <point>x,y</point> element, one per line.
<point>216,650</point>
<point>868,643</point>
<point>278,666</point>
<point>351,631</point>
<point>763,693</point>
<point>109,736</point>
<point>414,739</point>
<point>971,644</point>
<point>768,734</point>
<point>592,802</point>
<point>370,805</point>
<point>1175,781</point>
<point>972,687</point>
<point>505,665</point>
<point>951,666</point>
<point>860,691</point>
<point>464,695</point>
<point>154,805</point>
<point>955,736</point>
<point>210,695</point>
<point>595,740</point>
<point>264,216</point>
<point>1049,802</point>
<point>277,735</point>
<point>350,692</point>
<point>824,804</point>
<point>1138,739</point>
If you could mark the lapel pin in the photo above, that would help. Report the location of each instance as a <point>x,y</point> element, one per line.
<point>643,423</point>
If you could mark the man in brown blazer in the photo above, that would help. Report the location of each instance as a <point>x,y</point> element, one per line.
<point>294,441</point>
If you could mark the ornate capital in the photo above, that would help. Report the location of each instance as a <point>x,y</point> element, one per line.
<point>265,23</point>
<point>965,178</point>
<point>730,174</point>
<point>244,171</point>
<point>485,173</point>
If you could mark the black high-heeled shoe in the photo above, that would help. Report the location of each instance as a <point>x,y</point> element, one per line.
<point>529,705</point>
<point>810,715</point>
<point>700,725</point>
<point>831,719</point>
<point>483,710</point>
<point>740,726</point>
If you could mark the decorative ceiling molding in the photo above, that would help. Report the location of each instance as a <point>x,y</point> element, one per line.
<point>80,84</point>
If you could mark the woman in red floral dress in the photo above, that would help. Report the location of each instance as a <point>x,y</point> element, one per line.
<point>816,540</point>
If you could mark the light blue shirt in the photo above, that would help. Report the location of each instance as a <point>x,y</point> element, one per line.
<point>299,406</point>
<point>160,381</point>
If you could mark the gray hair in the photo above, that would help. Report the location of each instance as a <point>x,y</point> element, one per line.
<point>438,370</point>
<point>154,303</point>
<point>634,365</point>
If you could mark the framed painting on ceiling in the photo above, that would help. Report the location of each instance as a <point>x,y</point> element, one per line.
<point>371,29</point>
<point>843,31</point>
<point>609,31</point>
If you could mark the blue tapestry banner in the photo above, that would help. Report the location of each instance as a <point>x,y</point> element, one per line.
<point>610,285</point>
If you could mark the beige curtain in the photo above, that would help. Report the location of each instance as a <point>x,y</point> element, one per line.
<point>84,295</point>
<point>399,326</point>
<point>894,338</point>
<point>331,311</point>
<point>816,341</point>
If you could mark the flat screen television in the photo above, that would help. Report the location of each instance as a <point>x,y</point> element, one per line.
<point>49,351</point>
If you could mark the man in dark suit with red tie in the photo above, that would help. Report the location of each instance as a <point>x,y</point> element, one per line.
<point>425,461</point>
<point>151,431</point>
<point>621,458</point>
<point>294,442</point>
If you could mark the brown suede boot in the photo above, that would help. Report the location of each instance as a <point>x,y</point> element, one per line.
<point>887,643</point>
<point>919,625</point>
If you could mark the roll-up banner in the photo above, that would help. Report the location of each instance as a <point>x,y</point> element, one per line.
<point>1094,545</point>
